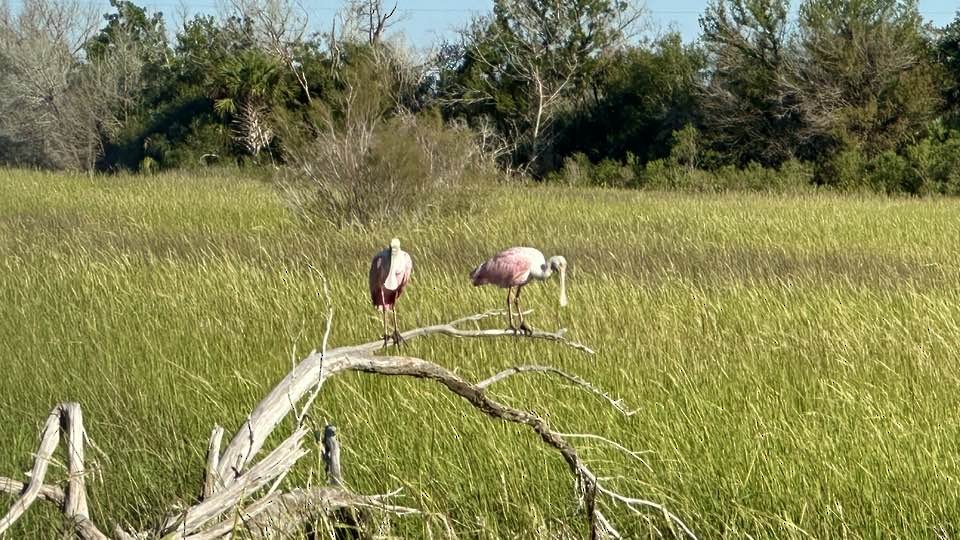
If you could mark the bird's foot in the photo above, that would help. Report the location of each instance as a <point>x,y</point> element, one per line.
<point>397,338</point>
<point>525,330</point>
<point>386,340</point>
<point>512,328</point>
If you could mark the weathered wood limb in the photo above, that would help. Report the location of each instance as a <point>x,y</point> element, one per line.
<point>48,443</point>
<point>86,530</point>
<point>276,463</point>
<point>450,329</point>
<point>294,507</point>
<point>576,380</point>
<point>211,477</point>
<point>47,492</point>
<point>64,421</point>
<point>75,501</point>
<point>120,534</point>
<point>75,505</point>
<point>632,501</point>
<point>632,453</point>
<point>588,486</point>
<point>237,479</point>
<point>317,367</point>
<point>268,414</point>
<point>476,396</point>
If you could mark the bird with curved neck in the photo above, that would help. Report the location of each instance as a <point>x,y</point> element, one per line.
<point>390,272</point>
<point>514,268</point>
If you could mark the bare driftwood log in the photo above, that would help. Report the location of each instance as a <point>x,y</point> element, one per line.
<point>64,422</point>
<point>211,476</point>
<point>241,491</point>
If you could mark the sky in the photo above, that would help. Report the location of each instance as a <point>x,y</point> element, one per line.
<point>424,22</point>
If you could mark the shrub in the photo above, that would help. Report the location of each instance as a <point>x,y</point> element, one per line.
<point>935,164</point>
<point>406,165</point>
<point>358,156</point>
<point>891,173</point>
<point>667,174</point>
<point>575,171</point>
<point>685,151</point>
<point>844,170</point>
<point>610,173</point>
<point>930,165</point>
<point>795,175</point>
<point>578,170</point>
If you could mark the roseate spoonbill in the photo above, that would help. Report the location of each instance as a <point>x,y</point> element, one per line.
<point>514,268</point>
<point>389,274</point>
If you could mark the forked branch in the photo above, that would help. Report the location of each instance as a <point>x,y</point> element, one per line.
<point>65,422</point>
<point>588,485</point>
<point>239,490</point>
<point>317,367</point>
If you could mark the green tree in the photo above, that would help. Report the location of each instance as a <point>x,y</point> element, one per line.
<point>203,46</point>
<point>250,85</point>
<point>862,76</point>
<point>636,101</point>
<point>132,29</point>
<point>745,115</point>
<point>530,61</point>
<point>128,65</point>
<point>948,56</point>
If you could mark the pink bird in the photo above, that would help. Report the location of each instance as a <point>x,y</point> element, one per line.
<point>515,267</point>
<point>389,274</point>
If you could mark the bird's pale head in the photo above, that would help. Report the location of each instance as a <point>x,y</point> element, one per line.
<point>559,264</point>
<point>395,244</point>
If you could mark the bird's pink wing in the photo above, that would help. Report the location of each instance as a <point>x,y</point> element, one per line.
<point>508,268</point>
<point>403,274</point>
<point>378,271</point>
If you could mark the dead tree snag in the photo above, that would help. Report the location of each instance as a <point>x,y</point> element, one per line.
<point>240,488</point>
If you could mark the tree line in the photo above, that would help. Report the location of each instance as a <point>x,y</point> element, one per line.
<point>857,94</point>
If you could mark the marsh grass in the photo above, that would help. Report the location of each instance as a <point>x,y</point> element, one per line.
<point>792,359</point>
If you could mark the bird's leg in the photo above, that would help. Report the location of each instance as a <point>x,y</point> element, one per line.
<point>397,338</point>
<point>523,325</point>
<point>383,311</point>
<point>509,310</point>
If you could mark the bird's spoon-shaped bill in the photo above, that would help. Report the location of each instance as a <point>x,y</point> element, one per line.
<point>563,287</point>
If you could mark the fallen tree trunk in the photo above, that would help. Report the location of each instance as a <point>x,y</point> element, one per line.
<point>234,490</point>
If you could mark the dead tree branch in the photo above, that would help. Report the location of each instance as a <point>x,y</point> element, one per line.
<point>280,460</point>
<point>307,374</point>
<point>64,421</point>
<point>240,490</point>
<point>211,477</point>
<point>48,443</point>
<point>47,492</point>
<point>331,456</point>
<point>577,381</point>
<point>588,485</point>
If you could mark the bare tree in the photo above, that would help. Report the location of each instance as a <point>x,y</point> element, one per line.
<point>280,28</point>
<point>547,48</point>
<point>356,22</point>
<point>377,16</point>
<point>41,47</point>
<point>366,21</point>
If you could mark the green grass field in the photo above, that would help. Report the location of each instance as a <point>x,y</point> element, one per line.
<point>793,359</point>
